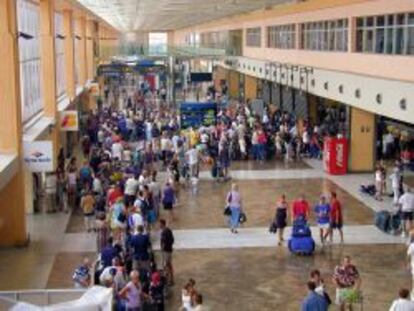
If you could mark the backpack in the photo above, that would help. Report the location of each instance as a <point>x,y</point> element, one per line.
<point>300,228</point>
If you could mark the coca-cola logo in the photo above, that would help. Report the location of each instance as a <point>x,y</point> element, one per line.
<point>339,155</point>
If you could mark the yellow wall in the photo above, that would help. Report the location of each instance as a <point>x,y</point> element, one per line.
<point>362,141</point>
<point>250,87</point>
<point>234,80</point>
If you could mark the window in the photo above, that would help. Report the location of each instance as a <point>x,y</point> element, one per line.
<point>60,55</point>
<point>253,37</point>
<point>281,37</point>
<point>386,34</point>
<point>158,42</point>
<point>28,15</point>
<point>325,36</point>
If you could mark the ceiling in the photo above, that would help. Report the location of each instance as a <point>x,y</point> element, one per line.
<point>162,15</point>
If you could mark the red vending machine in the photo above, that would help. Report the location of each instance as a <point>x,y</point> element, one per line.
<point>335,155</point>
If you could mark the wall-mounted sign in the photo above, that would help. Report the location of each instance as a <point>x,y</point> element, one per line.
<point>69,120</point>
<point>94,89</point>
<point>38,156</point>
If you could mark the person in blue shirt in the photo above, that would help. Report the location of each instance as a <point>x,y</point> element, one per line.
<point>108,253</point>
<point>140,244</point>
<point>314,301</point>
<point>322,210</point>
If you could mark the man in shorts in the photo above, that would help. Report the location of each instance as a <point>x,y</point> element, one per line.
<point>406,202</point>
<point>322,210</point>
<point>335,218</point>
<point>346,279</point>
<point>167,242</point>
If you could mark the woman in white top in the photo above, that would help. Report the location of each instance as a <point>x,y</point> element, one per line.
<point>234,201</point>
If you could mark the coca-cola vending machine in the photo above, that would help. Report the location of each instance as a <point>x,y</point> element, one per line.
<point>335,155</point>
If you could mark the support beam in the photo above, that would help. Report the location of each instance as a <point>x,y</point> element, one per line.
<point>69,53</point>
<point>12,211</point>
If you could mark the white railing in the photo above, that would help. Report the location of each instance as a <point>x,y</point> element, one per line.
<point>45,297</point>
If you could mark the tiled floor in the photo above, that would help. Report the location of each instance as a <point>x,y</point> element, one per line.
<point>244,272</point>
<point>205,209</point>
<point>273,279</point>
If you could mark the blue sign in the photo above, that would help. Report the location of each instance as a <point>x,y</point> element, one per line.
<point>193,114</point>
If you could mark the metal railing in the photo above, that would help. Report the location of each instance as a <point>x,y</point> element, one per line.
<point>41,297</point>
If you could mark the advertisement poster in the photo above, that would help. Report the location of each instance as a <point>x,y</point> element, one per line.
<point>69,120</point>
<point>38,156</point>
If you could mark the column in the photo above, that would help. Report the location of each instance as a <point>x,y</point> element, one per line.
<point>233,83</point>
<point>351,35</point>
<point>90,34</point>
<point>69,53</point>
<point>12,211</point>
<point>250,87</point>
<point>48,76</point>
<point>362,141</point>
<point>80,56</point>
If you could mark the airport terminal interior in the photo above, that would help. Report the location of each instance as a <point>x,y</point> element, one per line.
<point>195,155</point>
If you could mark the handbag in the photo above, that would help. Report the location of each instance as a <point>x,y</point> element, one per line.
<point>242,218</point>
<point>273,227</point>
<point>227,211</point>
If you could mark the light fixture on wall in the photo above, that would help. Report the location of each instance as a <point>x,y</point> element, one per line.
<point>313,82</point>
<point>378,99</point>
<point>24,35</point>
<point>341,89</point>
<point>326,86</point>
<point>403,104</point>
<point>61,37</point>
<point>358,93</point>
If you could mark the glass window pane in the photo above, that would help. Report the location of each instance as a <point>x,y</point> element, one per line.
<point>389,40</point>
<point>370,21</point>
<point>401,19</point>
<point>360,22</point>
<point>410,45</point>
<point>410,19</point>
<point>380,37</point>
<point>359,40</point>
<point>369,41</point>
<point>390,20</point>
<point>380,21</point>
<point>399,43</point>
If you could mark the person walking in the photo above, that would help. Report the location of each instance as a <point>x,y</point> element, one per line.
<point>406,202</point>
<point>167,242</point>
<point>282,207</point>
<point>314,301</point>
<point>322,210</point>
<point>87,205</point>
<point>168,200</point>
<point>132,292</point>
<point>335,218</point>
<point>403,302</point>
<point>300,208</point>
<point>234,202</point>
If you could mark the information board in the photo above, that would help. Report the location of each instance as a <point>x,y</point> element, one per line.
<point>197,114</point>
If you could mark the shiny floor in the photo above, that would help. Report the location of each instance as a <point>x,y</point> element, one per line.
<point>230,278</point>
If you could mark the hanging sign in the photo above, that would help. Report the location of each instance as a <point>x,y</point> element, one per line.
<point>38,156</point>
<point>69,120</point>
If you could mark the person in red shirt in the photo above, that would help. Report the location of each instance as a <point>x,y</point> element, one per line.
<point>114,193</point>
<point>300,207</point>
<point>335,218</point>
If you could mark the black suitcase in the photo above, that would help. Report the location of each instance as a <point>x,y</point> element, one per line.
<point>382,220</point>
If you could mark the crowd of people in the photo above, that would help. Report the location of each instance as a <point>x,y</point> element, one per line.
<point>135,160</point>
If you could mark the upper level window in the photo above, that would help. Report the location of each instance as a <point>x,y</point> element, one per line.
<point>282,36</point>
<point>60,55</point>
<point>28,22</point>
<point>325,35</point>
<point>253,37</point>
<point>386,34</point>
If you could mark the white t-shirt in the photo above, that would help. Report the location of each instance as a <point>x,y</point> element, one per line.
<point>127,155</point>
<point>101,136</point>
<point>131,186</point>
<point>137,220</point>
<point>407,202</point>
<point>117,150</point>
<point>166,144</point>
<point>97,186</point>
<point>192,155</point>
<point>402,305</point>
